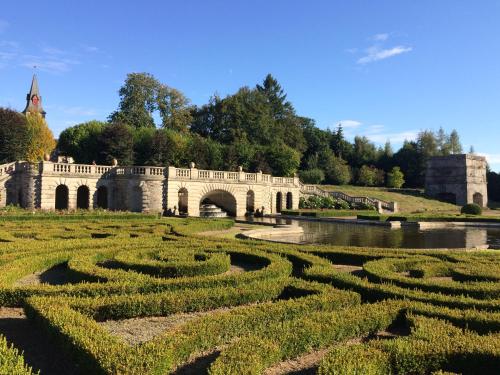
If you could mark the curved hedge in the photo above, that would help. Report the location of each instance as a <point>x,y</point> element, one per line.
<point>256,303</point>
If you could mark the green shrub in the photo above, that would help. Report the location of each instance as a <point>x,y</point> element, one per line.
<point>472,209</point>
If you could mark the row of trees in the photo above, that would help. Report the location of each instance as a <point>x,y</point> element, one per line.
<point>257,128</point>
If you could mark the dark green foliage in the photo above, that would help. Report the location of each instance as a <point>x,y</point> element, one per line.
<point>472,209</point>
<point>116,142</point>
<point>312,176</point>
<point>13,136</point>
<point>81,141</point>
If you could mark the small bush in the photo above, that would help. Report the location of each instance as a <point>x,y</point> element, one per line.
<point>472,209</point>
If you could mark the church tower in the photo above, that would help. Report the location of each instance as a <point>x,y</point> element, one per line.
<point>34,100</point>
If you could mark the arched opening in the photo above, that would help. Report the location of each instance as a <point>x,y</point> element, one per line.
<point>82,197</point>
<point>102,197</point>
<point>183,201</point>
<point>447,197</point>
<point>62,194</point>
<point>279,201</point>
<point>250,201</point>
<point>222,199</point>
<point>289,201</point>
<point>477,198</point>
<point>20,200</point>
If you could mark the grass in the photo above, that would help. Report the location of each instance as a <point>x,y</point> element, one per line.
<point>408,201</point>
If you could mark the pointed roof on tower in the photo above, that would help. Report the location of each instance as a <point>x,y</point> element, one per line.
<point>34,99</point>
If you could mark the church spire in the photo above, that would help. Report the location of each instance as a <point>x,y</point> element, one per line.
<point>34,99</point>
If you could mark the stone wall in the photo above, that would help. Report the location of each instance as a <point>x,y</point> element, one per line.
<point>459,179</point>
<point>50,186</point>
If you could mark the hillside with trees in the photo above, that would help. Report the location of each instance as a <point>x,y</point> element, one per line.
<point>257,128</point>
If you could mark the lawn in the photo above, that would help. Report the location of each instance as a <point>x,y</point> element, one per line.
<point>408,202</point>
<point>146,295</point>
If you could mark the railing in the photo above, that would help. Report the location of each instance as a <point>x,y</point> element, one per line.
<point>241,176</point>
<point>86,169</point>
<point>378,203</point>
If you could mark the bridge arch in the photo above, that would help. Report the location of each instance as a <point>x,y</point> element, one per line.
<point>62,197</point>
<point>82,197</point>
<point>279,201</point>
<point>221,198</point>
<point>289,200</point>
<point>250,206</point>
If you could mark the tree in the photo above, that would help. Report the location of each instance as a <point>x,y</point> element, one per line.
<point>81,141</point>
<point>364,152</point>
<point>169,147</point>
<point>443,142</point>
<point>13,136</point>
<point>138,100</point>
<point>312,176</point>
<point>41,141</point>
<point>368,176</point>
<point>174,108</point>
<point>454,143</point>
<point>472,151</point>
<point>395,178</point>
<point>116,142</point>
<point>338,172</point>
<point>283,159</point>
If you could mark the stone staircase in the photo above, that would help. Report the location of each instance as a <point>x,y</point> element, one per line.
<point>382,206</point>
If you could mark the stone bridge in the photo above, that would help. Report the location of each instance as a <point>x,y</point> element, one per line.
<point>48,186</point>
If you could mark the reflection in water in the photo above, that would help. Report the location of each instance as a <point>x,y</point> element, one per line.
<point>347,234</point>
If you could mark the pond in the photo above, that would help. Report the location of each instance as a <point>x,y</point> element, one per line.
<point>351,234</point>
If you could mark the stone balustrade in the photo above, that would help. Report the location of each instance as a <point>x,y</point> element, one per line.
<point>99,170</point>
<point>227,176</point>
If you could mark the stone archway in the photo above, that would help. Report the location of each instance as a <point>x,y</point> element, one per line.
<point>250,207</point>
<point>62,197</point>
<point>289,201</point>
<point>183,206</point>
<point>82,197</point>
<point>102,197</point>
<point>477,198</point>
<point>222,199</point>
<point>279,201</point>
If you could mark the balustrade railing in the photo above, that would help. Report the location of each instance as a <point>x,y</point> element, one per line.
<point>378,203</point>
<point>241,176</point>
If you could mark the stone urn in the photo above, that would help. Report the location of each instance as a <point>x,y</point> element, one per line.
<point>114,162</point>
<point>192,165</point>
<point>46,157</point>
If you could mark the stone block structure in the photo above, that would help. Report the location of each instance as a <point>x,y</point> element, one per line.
<point>458,179</point>
<point>58,186</point>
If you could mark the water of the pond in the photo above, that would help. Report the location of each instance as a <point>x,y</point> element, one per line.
<point>350,234</point>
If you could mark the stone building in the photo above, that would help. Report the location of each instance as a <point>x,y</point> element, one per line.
<point>57,186</point>
<point>458,179</point>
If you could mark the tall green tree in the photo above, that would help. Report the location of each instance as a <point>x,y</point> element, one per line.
<point>14,136</point>
<point>454,141</point>
<point>395,178</point>
<point>81,141</point>
<point>138,100</point>
<point>116,142</point>
<point>174,108</point>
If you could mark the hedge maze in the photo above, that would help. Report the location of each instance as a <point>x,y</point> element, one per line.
<point>241,307</point>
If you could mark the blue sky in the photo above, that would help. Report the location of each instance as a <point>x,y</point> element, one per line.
<point>386,69</point>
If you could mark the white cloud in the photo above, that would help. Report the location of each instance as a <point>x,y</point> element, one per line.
<point>9,44</point>
<point>376,133</point>
<point>49,64</point>
<point>380,37</point>
<point>491,158</point>
<point>349,124</point>
<point>3,25</point>
<point>7,55</point>
<point>375,53</point>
